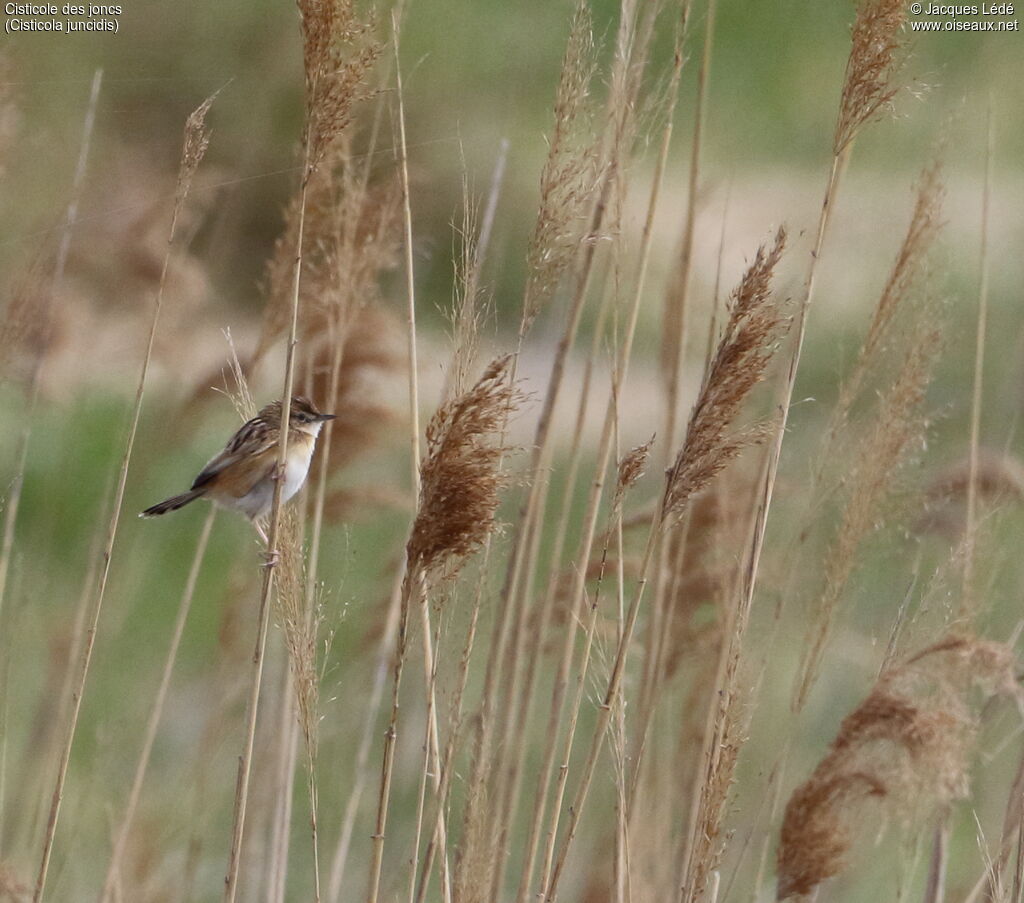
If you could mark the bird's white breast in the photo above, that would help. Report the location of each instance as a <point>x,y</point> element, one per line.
<point>299,456</point>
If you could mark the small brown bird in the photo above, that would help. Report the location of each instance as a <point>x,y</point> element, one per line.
<point>241,477</point>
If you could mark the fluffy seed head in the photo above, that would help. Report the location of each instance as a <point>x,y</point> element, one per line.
<point>905,747</point>
<point>756,322</point>
<point>876,54</point>
<point>459,477</point>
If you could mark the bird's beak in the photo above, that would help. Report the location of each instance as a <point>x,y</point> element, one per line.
<point>322,417</point>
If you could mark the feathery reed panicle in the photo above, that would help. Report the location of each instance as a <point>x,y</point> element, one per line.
<point>197,140</point>
<point>350,237</point>
<point>898,429</point>
<point>631,468</point>
<point>299,627</point>
<point>757,321</point>
<point>904,747</point>
<point>338,53</point>
<point>570,173</point>
<point>876,55</point>
<point>925,224</point>
<point>460,476</point>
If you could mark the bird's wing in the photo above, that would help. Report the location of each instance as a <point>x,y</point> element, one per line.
<point>252,441</point>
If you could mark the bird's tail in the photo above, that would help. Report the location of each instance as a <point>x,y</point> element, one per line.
<point>173,503</point>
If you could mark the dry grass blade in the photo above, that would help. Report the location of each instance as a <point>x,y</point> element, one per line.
<point>904,747</point>
<point>876,55</point>
<point>755,325</point>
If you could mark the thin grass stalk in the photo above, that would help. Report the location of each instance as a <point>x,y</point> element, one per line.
<point>771,467</point>
<point>277,861</point>
<point>867,89</point>
<point>194,132</point>
<point>621,874</point>
<point>971,525</point>
<point>384,655</point>
<point>935,888</point>
<point>465,327</point>
<point>734,629</point>
<point>518,698</point>
<point>581,678</point>
<point>1018,872</point>
<point>24,437</point>
<point>676,315</point>
<point>604,715</point>
<point>341,853</point>
<point>588,528</point>
<point>654,667</point>
<point>156,712</point>
<point>676,334</point>
<point>526,545</point>
<point>756,322</point>
<point>424,610</point>
<point>413,587</point>
<point>341,850</point>
<point>536,648</point>
<point>549,879</point>
<point>273,537</point>
<point>429,740</point>
<point>575,83</point>
<point>455,719</point>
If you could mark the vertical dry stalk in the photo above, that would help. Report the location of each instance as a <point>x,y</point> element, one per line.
<point>338,53</point>
<point>674,318</point>
<point>156,712</point>
<point>629,63</point>
<point>904,747</point>
<point>195,144</point>
<point>460,482</point>
<point>568,181</point>
<point>756,323</point>
<point>871,70</point>
<point>630,469</point>
<point>300,626</point>
<point>338,865</point>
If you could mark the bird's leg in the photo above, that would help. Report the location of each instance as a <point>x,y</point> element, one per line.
<point>271,557</point>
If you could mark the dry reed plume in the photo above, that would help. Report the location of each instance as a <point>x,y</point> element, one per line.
<point>905,748</point>
<point>876,56</point>
<point>460,477</point>
<point>755,325</point>
<point>569,176</point>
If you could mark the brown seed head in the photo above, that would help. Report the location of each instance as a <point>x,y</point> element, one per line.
<point>876,54</point>
<point>460,477</point>
<point>756,322</point>
<point>905,746</point>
